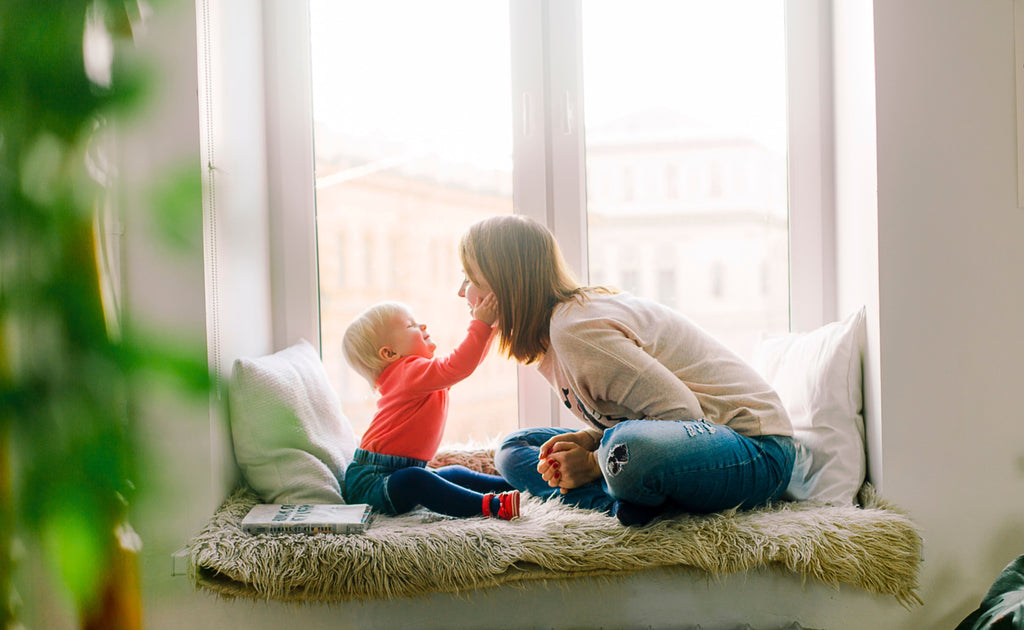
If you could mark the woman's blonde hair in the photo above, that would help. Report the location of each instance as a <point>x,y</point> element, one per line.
<point>521,261</point>
<point>364,338</point>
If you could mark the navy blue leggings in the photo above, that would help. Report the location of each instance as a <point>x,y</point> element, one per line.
<point>452,490</point>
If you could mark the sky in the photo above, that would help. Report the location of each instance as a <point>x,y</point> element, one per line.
<point>438,71</point>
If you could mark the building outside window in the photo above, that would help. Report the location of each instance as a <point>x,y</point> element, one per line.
<point>414,142</point>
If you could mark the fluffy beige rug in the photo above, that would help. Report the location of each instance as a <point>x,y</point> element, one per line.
<point>875,547</point>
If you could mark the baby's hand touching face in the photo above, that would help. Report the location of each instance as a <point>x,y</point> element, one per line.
<point>486,310</point>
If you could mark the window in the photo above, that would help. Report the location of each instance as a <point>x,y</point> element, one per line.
<point>667,287</point>
<point>628,184</point>
<point>698,87</point>
<point>412,144</point>
<point>423,167</point>
<point>716,282</point>
<point>671,182</point>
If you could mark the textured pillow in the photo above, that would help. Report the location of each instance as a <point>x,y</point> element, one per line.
<point>818,376</point>
<point>291,440</point>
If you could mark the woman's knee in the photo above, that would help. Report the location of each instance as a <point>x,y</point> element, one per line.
<point>625,458</point>
<point>522,448</point>
<point>626,442</point>
<point>510,452</point>
<point>516,439</point>
<point>532,437</point>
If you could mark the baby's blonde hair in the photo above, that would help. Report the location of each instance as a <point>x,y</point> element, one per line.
<point>364,338</point>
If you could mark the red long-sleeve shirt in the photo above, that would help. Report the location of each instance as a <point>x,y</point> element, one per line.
<point>413,404</point>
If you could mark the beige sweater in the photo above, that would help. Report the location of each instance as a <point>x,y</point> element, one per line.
<point>620,357</point>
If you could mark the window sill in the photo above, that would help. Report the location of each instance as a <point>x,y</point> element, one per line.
<point>875,548</point>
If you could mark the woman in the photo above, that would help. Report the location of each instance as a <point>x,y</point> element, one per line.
<point>677,422</point>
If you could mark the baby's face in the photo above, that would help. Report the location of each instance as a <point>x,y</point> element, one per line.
<point>408,338</point>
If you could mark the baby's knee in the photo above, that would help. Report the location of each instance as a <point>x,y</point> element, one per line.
<point>412,476</point>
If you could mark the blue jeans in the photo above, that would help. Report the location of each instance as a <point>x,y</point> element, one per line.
<point>395,485</point>
<point>696,467</point>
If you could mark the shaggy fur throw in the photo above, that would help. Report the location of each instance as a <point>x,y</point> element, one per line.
<point>874,547</point>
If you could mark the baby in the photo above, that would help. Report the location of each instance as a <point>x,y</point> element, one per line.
<point>394,353</point>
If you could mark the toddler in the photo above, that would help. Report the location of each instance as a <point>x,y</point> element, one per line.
<point>394,353</point>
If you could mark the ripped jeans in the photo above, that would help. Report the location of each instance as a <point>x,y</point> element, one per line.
<point>691,466</point>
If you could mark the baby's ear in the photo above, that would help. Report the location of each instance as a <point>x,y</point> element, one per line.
<point>387,354</point>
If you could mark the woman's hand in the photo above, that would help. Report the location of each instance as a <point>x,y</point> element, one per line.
<point>568,461</point>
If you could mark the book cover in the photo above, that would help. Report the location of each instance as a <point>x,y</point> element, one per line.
<point>276,518</point>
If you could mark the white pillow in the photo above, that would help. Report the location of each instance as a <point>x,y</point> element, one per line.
<point>818,376</point>
<point>292,441</point>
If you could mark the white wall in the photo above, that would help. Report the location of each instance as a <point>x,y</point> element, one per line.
<point>929,238</point>
<point>951,304</point>
<point>944,300</point>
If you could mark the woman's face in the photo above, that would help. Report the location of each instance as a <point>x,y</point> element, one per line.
<point>473,292</point>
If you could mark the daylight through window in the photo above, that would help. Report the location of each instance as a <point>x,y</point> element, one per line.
<point>685,187</point>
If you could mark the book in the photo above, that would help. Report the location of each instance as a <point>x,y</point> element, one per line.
<point>282,518</point>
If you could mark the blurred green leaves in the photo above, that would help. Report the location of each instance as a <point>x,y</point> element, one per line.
<point>44,77</point>
<point>68,444</point>
<point>175,210</point>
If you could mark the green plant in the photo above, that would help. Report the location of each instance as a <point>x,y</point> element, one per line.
<point>1003,605</point>
<point>68,448</point>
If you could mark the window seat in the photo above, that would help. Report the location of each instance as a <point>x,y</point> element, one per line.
<point>874,547</point>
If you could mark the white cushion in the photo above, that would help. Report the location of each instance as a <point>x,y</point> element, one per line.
<point>292,441</point>
<point>818,376</point>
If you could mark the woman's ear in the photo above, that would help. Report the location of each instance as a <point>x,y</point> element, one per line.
<point>387,354</point>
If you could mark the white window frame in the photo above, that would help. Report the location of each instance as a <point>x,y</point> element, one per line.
<point>548,147</point>
<point>294,270</point>
<point>812,224</point>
